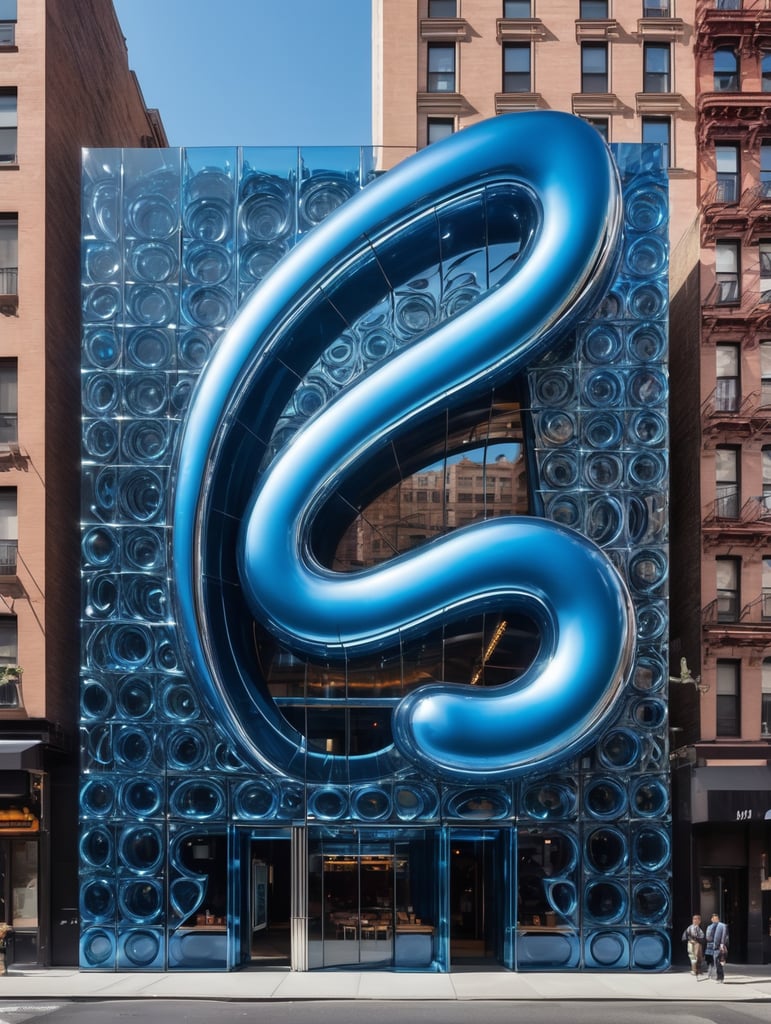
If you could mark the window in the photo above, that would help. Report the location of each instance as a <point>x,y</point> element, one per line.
<point>516,67</point>
<point>765,169</point>
<point>9,531</point>
<point>592,10</point>
<point>727,698</point>
<point>7,22</point>
<point>727,370</point>
<point>8,401</point>
<point>10,692</point>
<point>727,271</point>
<point>601,125</point>
<point>727,172</point>
<point>656,65</point>
<point>728,5</point>
<point>766,470</point>
<point>765,72</point>
<point>765,699</point>
<point>441,68</point>
<point>516,8</point>
<point>764,251</point>
<point>727,168</point>
<point>9,255</point>
<point>9,654</point>
<point>594,67</point>
<point>656,131</point>
<point>765,609</point>
<point>765,373</point>
<point>727,576</point>
<point>442,8</point>
<point>655,9</point>
<point>439,128</point>
<point>725,70</point>
<point>8,124</point>
<point>727,482</point>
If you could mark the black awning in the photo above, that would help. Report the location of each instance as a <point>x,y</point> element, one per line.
<point>16,755</point>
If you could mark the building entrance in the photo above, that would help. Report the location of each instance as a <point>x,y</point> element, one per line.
<point>476,885</point>
<point>269,903</point>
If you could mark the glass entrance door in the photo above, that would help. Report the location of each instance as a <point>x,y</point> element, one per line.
<point>374,899</point>
<point>475,886</point>
<point>354,893</point>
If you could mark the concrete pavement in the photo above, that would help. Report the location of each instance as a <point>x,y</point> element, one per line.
<point>743,983</point>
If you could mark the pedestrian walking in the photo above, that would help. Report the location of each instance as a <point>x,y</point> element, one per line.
<point>716,951</point>
<point>693,937</point>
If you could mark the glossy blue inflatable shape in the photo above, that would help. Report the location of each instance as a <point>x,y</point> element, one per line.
<point>557,577</point>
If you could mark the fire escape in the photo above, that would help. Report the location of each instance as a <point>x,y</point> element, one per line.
<point>741,315</point>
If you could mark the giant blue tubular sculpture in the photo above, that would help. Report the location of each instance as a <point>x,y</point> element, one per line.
<point>569,253</point>
<point>374,554</point>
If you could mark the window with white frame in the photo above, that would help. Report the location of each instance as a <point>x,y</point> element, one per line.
<point>10,691</point>
<point>593,10</point>
<point>516,67</point>
<point>765,592</point>
<point>764,252</point>
<point>601,125</point>
<point>9,646</point>
<point>727,387</point>
<point>765,374</point>
<point>656,9</point>
<point>9,390</point>
<point>765,168</point>
<point>765,700</point>
<point>727,574</point>
<point>765,463</point>
<point>517,8</point>
<point>8,126</point>
<point>728,722</point>
<point>439,128</point>
<point>656,67</point>
<point>9,531</point>
<point>727,482</point>
<point>727,271</point>
<point>727,172</point>
<point>765,71</point>
<point>657,131</point>
<point>441,68</point>
<point>7,22</point>
<point>9,254</point>
<point>725,65</point>
<point>594,67</point>
<point>443,8</point>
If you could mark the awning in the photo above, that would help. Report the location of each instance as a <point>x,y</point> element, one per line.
<point>731,793</point>
<point>17,755</point>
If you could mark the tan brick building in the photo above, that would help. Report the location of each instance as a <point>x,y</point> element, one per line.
<point>64,84</point>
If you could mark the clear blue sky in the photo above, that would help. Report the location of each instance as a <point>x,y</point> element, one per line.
<point>253,72</point>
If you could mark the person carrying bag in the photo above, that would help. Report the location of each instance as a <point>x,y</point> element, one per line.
<point>693,937</point>
<point>716,952</point>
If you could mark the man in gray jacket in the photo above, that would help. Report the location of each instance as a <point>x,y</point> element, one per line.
<point>717,947</point>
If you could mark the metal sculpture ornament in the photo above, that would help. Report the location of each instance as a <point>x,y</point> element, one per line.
<point>541,186</point>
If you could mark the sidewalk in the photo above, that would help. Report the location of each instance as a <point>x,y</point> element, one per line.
<point>743,983</point>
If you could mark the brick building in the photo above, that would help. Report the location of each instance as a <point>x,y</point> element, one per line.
<point>64,83</point>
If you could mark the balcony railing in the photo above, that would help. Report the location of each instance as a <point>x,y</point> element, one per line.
<point>9,280</point>
<point>8,557</point>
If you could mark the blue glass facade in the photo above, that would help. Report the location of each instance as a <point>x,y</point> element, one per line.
<point>259,742</point>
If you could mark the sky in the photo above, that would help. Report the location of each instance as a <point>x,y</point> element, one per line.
<point>253,72</point>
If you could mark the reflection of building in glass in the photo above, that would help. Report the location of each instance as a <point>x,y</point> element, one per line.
<point>433,501</point>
